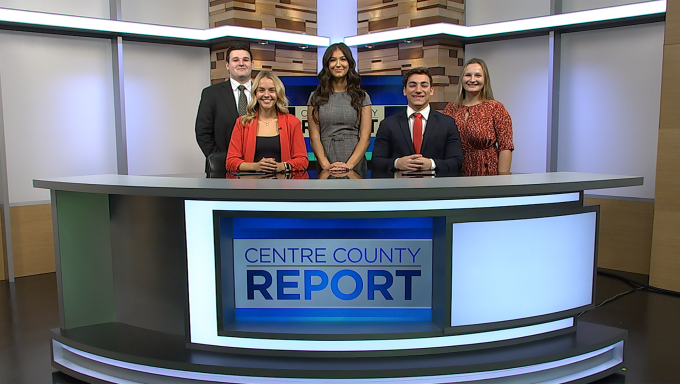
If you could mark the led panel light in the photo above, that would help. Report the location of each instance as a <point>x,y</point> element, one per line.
<point>202,282</point>
<point>264,34</point>
<point>60,357</point>
<point>543,22</point>
<point>152,30</point>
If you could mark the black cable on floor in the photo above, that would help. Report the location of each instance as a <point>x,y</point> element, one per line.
<point>612,299</point>
<point>637,287</point>
<point>638,284</point>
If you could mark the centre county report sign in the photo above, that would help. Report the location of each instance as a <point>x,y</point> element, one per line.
<point>333,279</point>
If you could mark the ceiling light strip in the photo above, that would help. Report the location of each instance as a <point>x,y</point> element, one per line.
<point>543,22</point>
<point>154,31</point>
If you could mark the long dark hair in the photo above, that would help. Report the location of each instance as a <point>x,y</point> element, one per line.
<point>325,87</point>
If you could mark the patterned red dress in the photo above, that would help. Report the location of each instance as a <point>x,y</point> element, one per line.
<point>486,132</point>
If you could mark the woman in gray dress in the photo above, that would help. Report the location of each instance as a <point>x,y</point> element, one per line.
<point>339,114</point>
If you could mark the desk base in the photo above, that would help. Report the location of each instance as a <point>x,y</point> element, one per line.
<point>119,353</point>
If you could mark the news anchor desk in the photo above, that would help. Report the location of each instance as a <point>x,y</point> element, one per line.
<point>185,280</point>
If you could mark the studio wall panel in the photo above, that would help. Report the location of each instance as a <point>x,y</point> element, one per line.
<point>289,16</point>
<point>672,32</point>
<point>493,11</point>
<point>519,78</point>
<point>179,13</point>
<point>378,15</point>
<point>163,86</point>
<point>2,257</point>
<point>665,261</point>
<point>57,94</point>
<point>87,8</point>
<point>32,239</point>
<point>625,234</point>
<point>609,104</point>
<point>581,5</point>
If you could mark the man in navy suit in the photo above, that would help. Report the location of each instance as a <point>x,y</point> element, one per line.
<point>222,103</point>
<point>421,138</point>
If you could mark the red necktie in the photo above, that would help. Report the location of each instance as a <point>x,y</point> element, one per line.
<point>417,132</point>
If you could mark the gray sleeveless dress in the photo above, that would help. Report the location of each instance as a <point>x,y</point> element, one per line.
<point>339,128</point>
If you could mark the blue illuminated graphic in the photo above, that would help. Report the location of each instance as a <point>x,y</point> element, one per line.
<point>326,269</point>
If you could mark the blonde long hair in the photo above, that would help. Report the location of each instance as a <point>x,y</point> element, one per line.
<point>253,106</point>
<point>487,93</point>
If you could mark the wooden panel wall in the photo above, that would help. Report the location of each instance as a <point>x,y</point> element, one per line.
<point>278,15</point>
<point>283,60</point>
<point>297,16</point>
<point>665,261</point>
<point>380,15</point>
<point>32,239</point>
<point>2,255</point>
<point>444,57</point>
<point>625,237</point>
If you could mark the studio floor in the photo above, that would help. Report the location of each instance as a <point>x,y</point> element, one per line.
<point>29,309</point>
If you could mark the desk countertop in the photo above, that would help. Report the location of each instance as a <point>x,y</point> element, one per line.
<point>339,190</point>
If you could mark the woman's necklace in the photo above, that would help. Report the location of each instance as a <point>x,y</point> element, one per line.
<point>266,123</point>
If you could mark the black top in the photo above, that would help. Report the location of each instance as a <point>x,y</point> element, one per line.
<point>268,146</point>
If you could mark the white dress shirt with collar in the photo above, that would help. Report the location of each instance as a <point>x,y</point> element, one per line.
<point>234,87</point>
<point>411,119</point>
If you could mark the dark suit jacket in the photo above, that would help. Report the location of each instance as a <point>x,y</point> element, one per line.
<point>441,142</point>
<point>217,114</point>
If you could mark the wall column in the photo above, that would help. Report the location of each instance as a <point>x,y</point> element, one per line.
<point>336,20</point>
<point>7,259</point>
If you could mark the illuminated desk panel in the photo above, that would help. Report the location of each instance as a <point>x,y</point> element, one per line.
<point>510,261</point>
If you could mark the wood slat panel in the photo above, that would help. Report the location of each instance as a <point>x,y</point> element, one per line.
<point>665,264</point>
<point>667,178</point>
<point>383,61</point>
<point>625,234</point>
<point>672,33</point>
<point>670,88</point>
<point>665,258</point>
<point>283,60</point>
<point>2,255</point>
<point>33,244</point>
<point>295,16</point>
<point>405,13</point>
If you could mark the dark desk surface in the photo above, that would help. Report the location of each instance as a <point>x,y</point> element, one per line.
<point>339,190</point>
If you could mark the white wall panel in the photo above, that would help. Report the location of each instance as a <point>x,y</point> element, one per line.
<point>163,86</point>
<point>609,104</point>
<point>580,5</point>
<point>57,97</point>
<point>88,8</point>
<point>492,11</point>
<point>519,77</point>
<point>180,13</point>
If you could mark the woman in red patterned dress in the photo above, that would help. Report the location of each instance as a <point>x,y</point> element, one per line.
<point>484,123</point>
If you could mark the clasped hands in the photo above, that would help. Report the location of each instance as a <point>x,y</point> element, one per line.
<point>269,165</point>
<point>413,163</point>
<point>338,167</point>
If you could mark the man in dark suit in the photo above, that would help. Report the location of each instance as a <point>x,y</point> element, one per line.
<point>222,103</point>
<point>421,138</point>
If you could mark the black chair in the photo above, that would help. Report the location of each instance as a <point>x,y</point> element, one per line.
<point>217,165</point>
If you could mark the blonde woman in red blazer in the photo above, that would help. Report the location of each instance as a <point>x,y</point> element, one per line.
<point>255,132</point>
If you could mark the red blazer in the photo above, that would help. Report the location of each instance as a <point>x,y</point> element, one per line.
<point>293,148</point>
